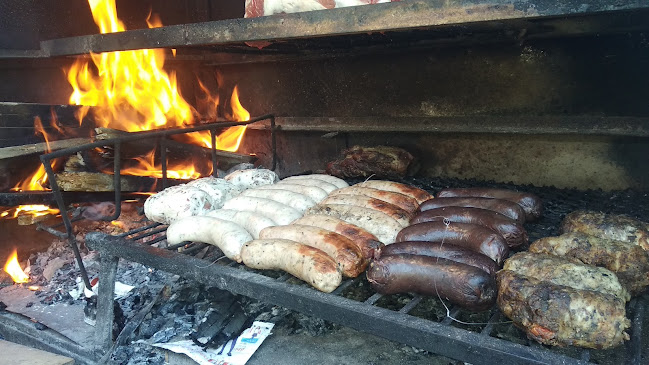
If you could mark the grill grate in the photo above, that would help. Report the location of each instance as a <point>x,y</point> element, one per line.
<point>439,329</point>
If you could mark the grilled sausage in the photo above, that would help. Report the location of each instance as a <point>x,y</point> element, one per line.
<point>392,210</point>
<point>294,200</point>
<point>277,212</point>
<point>402,201</point>
<point>227,236</point>
<point>367,242</point>
<point>512,232</point>
<point>504,207</point>
<point>337,246</point>
<point>313,192</point>
<point>447,251</point>
<point>328,187</point>
<point>471,236</point>
<point>531,204</point>
<point>304,262</point>
<point>461,284</point>
<point>384,227</point>
<point>246,179</point>
<point>250,221</point>
<point>418,194</point>
<point>340,183</point>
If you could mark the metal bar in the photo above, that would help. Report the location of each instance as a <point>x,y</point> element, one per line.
<point>17,328</point>
<point>46,160</point>
<point>344,285</point>
<point>163,132</point>
<point>105,298</point>
<point>156,240</point>
<point>512,124</point>
<point>635,346</point>
<point>396,16</point>
<point>138,230</point>
<point>491,323</point>
<point>147,234</point>
<point>411,304</point>
<point>214,161</point>
<point>273,142</point>
<point>445,340</point>
<point>117,184</point>
<point>48,198</point>
<point>451,316</point>
<point>371,300</point>
<point>163,162</point>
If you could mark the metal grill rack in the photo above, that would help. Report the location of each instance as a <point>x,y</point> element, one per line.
<point>161,136</point>
<point>413,320</point>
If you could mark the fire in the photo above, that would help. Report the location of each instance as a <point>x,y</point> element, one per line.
<point>36,182</point>
<point>148,167</point>
<point>131,91</point>
<point>12,267</point>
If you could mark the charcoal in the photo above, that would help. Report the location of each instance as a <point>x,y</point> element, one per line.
<point>164,335</point>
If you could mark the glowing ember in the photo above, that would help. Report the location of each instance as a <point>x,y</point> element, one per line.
<point>13,268</point>
<point>34,287</point>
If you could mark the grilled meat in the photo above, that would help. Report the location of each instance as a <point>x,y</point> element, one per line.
<point>629,262</point>
<point>559,315</point>
<point>611,226</point>
<point>562,271</point>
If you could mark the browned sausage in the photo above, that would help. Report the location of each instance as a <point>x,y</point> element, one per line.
<point>464,285</point>
<point>504,207</point>
<point>531,204</point>
<point>512,232</point>
<point>471,236</point>
<point>444,250</point>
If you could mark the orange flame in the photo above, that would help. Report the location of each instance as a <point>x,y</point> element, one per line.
<point>148,167</point>
<point>129,90</point>
<point>12,267</point>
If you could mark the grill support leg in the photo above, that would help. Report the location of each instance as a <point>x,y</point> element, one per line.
<point>105,309</point>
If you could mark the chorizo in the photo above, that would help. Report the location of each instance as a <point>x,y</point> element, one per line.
<point>338,247</point>
<point>401,200</point>
<point>419,195</point>
<point>392,210</point>
<point>277,212</point>
<point>384,227</point>
<point>367,242</point>
<point>304,262</point>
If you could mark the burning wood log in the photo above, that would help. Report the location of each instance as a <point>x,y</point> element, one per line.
<point>96,181</point>
<point>175,148</point>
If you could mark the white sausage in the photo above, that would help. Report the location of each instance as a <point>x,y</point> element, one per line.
<point>277,212</point>
<point>219,190</point>
<point>312,192</point>
<point>246,179</point>
<point>384,227</point>
<point>304,262</point>
<point>176,202</point>
<point>299,180</point>
<point>294,200</point>
<point>227,236</point>
<point>340,183</point>
<point>252,222</point>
